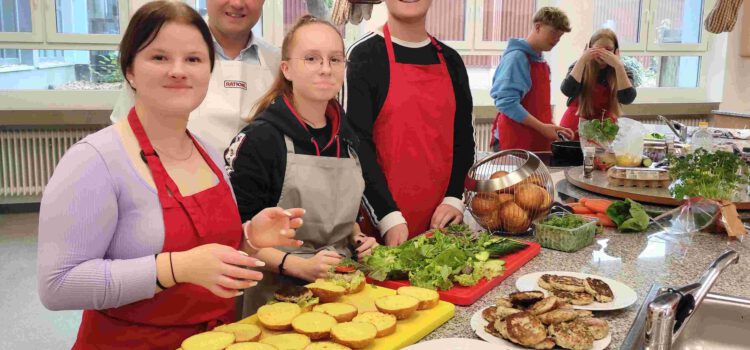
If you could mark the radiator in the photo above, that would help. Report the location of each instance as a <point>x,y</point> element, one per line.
<point>482,134</point>
<point>28,157</point>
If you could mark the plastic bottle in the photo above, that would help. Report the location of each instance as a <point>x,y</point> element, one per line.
<point>702,138</point>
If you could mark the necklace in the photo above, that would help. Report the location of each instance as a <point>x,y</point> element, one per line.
<point>190,154</point>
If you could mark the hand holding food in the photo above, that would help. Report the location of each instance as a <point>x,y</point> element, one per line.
<point>319,265</point>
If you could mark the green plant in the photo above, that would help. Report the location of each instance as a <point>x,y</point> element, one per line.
<point>636,68</point>
<point>108,68</point>
<point>599,131</point>
<point>709,175</point>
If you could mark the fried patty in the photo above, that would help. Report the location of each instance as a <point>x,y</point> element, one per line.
<point>526,299</point>
<point>526,329</point>
<point>597,327</point>
<point>599,289</point>
<point>571,335</point>
<point>569,283</point>
<point>558,316</point>
<point>489,314</point>
<point>545,305</point>
<point>543,281</point>
<point>575,298</point>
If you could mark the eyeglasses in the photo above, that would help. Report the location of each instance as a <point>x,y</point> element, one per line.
<point>315,62</point>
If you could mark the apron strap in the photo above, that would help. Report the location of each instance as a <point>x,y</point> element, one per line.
<point>289,144</point>
<point>392,54</point>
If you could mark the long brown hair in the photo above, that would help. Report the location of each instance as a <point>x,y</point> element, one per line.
<point>282,86</point>
<point>590,79</point>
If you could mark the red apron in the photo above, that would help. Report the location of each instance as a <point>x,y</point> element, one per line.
<point>413,135</point>
<point>600,98</point>
<point>514,135</point>
<point>162,322</point>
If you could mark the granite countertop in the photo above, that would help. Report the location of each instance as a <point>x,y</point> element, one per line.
<point>638,260</point>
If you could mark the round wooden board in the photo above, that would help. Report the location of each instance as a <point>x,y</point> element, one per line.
<point>600,184</point>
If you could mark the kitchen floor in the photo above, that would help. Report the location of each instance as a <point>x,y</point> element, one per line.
<point>25,322</point>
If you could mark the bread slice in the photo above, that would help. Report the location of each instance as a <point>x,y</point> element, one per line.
<point>315,325</point>
<point>340,311</point>
<point>243,332</point>
<point>289,341</point>
<point>428,298</point>
<point>251,346</point>
<point>384,323</point>
<point>327,291</point>
<point>326,345</point>
<point>279,316</point>
<point>356,288</point>
<point>208,341</point>
<point>401,306</point>
<point>355,335</point>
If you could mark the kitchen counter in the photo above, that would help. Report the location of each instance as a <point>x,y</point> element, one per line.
<point>637,260</point>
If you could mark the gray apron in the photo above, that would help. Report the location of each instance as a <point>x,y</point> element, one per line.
<point>330,190</point>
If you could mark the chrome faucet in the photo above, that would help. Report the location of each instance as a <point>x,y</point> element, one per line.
<point>679,129</point>
<point>672,308</point>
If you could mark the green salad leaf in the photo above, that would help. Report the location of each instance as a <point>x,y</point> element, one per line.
<point>443,257</point>
<point>601,131</point>
<point>628,215</point>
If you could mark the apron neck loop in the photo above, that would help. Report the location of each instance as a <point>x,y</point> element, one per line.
<point>334,112</point>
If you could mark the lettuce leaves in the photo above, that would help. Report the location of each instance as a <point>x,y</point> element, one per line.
<point>628,215</point>
<point>442,258</point>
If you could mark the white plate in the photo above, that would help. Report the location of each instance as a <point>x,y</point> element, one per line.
<point>624,296</point>
<point>452,344</point>
<point>478,323</point>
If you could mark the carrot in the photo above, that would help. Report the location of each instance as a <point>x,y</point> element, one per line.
<point>580,209</point>
<point>598,205</point>
<point>604,220</point>
<point>583,200</point>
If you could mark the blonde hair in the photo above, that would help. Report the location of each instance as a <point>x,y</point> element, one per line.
<point>590,79</point>
<point>281,85</point>
<point>554,17</point>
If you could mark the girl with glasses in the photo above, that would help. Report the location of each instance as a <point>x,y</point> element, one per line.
<point>299,151</point>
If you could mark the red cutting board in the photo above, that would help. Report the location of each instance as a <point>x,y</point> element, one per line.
<point>468,295</point>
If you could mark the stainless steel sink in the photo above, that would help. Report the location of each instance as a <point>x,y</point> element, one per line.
<point>720,322</point>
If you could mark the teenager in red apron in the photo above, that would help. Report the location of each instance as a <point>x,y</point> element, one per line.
<point>414,136</point>
<point>162,322</point>
<point>514,135</point>
<point>600,98</point>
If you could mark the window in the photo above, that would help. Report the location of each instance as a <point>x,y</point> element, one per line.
<point>663,40</point>
<point>665,71</point>
<point>15,16</point>
<point>60,45</point>
<point>654,25</point>
<point>281,16</point>
<point>61,70</point>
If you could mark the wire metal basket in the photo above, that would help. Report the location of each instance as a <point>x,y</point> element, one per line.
<point>507,190</point>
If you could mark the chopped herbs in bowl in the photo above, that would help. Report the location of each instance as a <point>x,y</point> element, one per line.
<point>565,232</point>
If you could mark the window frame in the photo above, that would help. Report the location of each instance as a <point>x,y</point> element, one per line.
<point>52,36</point>
<point>36,35</point>
<point>44,37</point>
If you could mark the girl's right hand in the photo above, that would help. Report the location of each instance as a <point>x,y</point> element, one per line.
<point>319,265</point>
<point>590,54</point>
<point>218,268</point>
